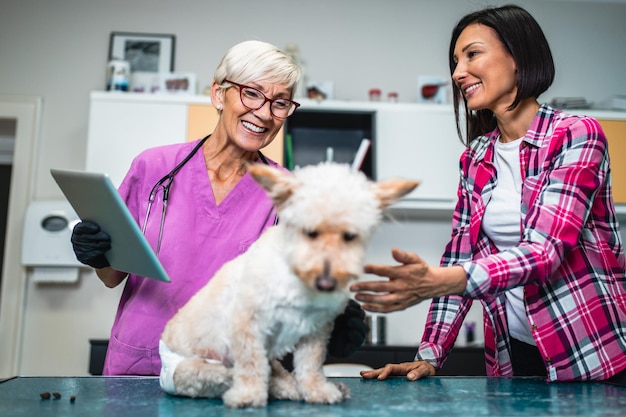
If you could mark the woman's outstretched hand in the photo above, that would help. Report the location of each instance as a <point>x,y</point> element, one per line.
<point>409,283</point>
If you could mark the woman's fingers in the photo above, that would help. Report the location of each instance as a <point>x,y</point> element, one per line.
<point>421,370</point>
<point>412,370</point>
<point>387,302</point>
<point>380,270</point>
<point>405,257</point>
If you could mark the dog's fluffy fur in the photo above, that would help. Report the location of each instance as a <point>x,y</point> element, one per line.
<point>282,295</point>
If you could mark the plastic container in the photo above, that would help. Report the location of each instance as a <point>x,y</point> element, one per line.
<point>118,75</point>
<point>374,94</point>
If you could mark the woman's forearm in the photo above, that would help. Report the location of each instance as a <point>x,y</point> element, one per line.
<point>110,277</point>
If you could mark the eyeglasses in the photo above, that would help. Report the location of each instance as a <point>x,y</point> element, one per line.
<point>253,99</point>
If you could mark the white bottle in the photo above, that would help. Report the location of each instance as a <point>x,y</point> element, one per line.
<point>118,75</point>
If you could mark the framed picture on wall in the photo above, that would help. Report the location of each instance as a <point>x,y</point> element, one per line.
<point>146,52</point>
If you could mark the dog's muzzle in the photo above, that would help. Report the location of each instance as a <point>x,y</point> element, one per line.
<point>325,282</point>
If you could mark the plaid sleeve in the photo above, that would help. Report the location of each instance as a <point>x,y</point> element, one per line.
<point>446,314</point>
<point>557,197</point>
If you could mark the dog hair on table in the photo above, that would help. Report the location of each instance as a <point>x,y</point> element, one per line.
<point>282,295</point>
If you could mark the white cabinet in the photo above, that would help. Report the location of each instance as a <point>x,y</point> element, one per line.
<point>415,141</point>
<point>420,142</point>
<point>122,125</point>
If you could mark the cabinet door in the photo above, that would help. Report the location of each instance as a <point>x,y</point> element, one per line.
<point>420,143</point>
<point>202,119</point>
<point>615,131</point>
<point>120,129</point>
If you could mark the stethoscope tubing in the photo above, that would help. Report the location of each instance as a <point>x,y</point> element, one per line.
<point>166,182</point>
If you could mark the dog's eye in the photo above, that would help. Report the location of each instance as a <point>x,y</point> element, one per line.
<point>311,233</point>
<point>349,236</point>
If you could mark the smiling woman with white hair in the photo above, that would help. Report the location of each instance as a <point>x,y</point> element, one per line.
<point>198,206</point>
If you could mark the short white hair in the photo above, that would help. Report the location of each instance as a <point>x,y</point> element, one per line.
<point>257,61</point>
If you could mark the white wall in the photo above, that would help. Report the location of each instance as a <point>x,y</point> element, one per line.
<point>58,50</point>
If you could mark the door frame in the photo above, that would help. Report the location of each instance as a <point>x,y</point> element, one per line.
<point>28,113</point>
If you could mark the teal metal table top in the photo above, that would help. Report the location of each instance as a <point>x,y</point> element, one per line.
<point>397,397</point>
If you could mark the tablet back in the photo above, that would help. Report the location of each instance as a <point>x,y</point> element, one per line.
<point>94,197</point>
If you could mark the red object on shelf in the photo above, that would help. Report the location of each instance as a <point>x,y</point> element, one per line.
<point>430,90</point>
<point>374,94</point>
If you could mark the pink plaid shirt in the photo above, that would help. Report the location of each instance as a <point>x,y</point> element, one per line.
<point>570,259</point>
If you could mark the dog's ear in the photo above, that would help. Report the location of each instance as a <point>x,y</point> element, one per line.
<point>278,184</point>
<point>390,191</point>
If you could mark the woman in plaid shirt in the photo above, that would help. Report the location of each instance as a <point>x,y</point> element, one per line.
<point>535,237</point>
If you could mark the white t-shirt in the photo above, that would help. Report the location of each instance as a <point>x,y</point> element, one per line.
<point>501,223</point>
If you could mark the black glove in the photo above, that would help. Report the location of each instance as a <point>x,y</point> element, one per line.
<point>90,243</point>
<point>349,332</point>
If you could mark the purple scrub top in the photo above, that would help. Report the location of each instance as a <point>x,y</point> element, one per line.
<point>198,238</point>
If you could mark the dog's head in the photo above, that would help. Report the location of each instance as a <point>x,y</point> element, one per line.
<point>328,213</point>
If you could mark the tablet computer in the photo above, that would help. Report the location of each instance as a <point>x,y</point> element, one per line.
<point>94,197</point>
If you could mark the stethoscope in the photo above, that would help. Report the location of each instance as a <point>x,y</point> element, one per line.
<point>166,182</point>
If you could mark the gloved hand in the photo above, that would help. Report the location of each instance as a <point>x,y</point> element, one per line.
<point>349,332</point>
<point>90,243</point>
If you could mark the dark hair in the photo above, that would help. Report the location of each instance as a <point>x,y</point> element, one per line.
<point>523,38</point>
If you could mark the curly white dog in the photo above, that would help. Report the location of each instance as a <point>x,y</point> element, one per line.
<point>282,295</point>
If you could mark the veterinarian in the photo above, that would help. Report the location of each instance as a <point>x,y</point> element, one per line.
<point>534,236</point>
<point>199,208</point>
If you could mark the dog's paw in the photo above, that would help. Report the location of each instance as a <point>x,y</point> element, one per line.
<point>242,396</point>
<point>284,387</point>
<point>327,393</point>
<point>344,390</point>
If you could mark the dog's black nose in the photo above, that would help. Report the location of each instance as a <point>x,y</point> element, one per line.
<point>325,283</point>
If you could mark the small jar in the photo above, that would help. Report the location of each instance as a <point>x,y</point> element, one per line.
<point>392,97</point>
<point>374,94</point>
<point>118,75</point>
